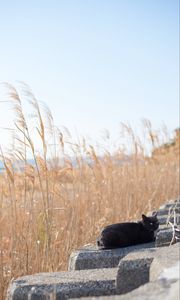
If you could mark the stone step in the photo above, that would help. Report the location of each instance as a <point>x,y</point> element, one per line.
<point>161,212</point>
<point>157,290</point>
<point>164,237</point>
<point>163,219</point>
<point>94,282</point>
<point>164,275</point>
<point>93,258</point>
<point>63,285</point>
<point>171,204</point>
<point>164,227</point>
<point>165,258</point>
<point>136,269</point>
<point>133,270</point>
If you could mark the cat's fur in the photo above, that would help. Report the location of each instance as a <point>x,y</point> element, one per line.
<point>129,233</point>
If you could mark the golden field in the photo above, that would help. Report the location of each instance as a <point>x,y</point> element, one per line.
<point>62,200</point>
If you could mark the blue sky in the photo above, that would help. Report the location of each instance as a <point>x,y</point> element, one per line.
<point>95,63</point>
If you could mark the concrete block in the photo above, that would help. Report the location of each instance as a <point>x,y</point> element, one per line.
<point>133,270</point>
<point>63,285</point>
<point>164,227</point>
<point>163,219</point>
<point>165,257</point>
<point>149,291</point>
<point>166,287</point>
<point>164,237</point>
<point>95,259</point>
<point>161,212</point>
<point>171,204</point>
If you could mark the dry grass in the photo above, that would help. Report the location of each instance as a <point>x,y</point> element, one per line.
<point>50,208</point>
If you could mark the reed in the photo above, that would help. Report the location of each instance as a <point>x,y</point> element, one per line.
<point>62,200</point>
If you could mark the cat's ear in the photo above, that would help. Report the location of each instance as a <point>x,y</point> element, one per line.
<point>144,217</point>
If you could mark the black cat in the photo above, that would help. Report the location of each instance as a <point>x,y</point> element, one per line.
<point>129,233</point>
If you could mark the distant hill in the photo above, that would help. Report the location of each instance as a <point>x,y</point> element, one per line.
<point>173,147</point>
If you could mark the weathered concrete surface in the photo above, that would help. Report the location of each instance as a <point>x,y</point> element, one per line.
<point>165,258</point>
<point>95,259</point>
<point>171,204</point>
<point>64,285</point>
<point>163,219</point>
<point>164,227</point>
<point>164,237</point>
<point>161,212</point>
<point>133,270</point>
<point>150,291</point>
<point>166,287</point>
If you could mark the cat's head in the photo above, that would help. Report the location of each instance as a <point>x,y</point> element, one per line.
<point>150,223</point>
